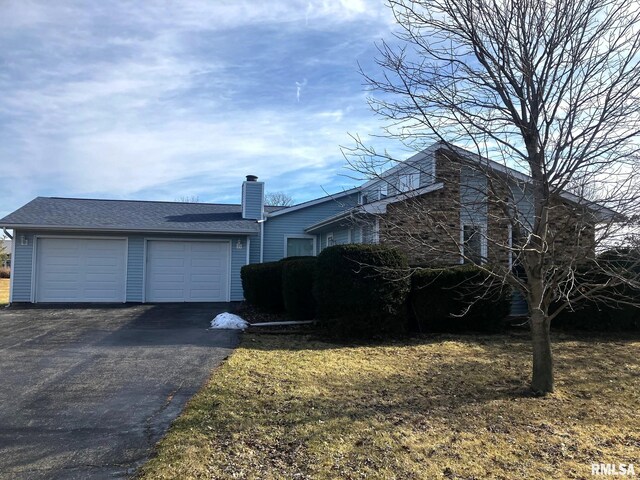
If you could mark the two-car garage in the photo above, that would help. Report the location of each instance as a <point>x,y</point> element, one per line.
<point>83,269</point>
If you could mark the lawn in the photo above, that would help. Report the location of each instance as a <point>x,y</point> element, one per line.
<point>290,406</point>
<point>4,291</point>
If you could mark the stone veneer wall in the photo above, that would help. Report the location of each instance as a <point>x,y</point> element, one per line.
<point>427,228</point>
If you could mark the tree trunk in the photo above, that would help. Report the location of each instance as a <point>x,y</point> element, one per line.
<point>542,380</point>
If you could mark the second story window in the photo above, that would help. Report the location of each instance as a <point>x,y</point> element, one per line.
<point>408,182</point>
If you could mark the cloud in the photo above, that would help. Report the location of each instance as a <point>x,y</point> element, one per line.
<point>299,86</point>
<point>164,99</point>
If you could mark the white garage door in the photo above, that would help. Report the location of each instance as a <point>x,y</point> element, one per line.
<point>80,270</point>
<point>187,271</point>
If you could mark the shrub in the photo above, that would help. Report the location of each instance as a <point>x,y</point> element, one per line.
<point>438,296</point>
<point>262,284</point>
<point>5,272</point>
<point>597,315</point>
<point>594,316</point>
<point>297,287</point>
<point>361,289</point>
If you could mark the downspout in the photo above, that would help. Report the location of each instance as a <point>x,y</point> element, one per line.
<point>13,259</point>
<point>261,222</point>
<point>7,233</point>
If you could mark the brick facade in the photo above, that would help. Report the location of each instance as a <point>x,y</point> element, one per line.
<point>428,227</point>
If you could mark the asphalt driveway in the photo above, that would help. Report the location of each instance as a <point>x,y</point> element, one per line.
<point>87,392</point>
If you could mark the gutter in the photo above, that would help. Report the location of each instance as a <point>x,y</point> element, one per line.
<point>127,230</point>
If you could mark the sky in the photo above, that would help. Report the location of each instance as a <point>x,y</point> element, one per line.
<point>162,100</point>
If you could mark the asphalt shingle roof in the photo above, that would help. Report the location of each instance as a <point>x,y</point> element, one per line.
<point>130,215</point>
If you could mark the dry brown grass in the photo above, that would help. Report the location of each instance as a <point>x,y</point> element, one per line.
<point>448,407</point>
<point>4,291</point>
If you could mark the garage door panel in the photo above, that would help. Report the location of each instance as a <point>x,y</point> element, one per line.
<point>206,263</point>
<point>102,262</point>
<point>168,263</point>
<point>169,247</point>
<point>80,270</point>
<point>61,273</point>
<point>168,278</point>
<point>204,278</point>
<point>61,262</point>
<point>183,271</point>
<point>208,247</point>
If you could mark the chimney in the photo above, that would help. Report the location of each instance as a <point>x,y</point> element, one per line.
<point>252,198</point>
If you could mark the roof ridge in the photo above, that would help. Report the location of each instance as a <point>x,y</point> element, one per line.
<point>141,201</point>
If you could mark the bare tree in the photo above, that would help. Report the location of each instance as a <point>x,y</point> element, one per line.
<point>545,88</point>
<point>188,199</point>
<point>278,199</point>
<point>4,253</point>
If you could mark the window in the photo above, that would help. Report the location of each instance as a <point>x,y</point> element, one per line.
<point>474,244</point>
<point>408,182</point>
<point>383,191</point>
<point>330,240</point>
<point>299,247</point>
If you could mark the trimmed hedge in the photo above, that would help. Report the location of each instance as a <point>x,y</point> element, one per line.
<point>439,295</point>
<point>594,315</point>
<point>591,316</point>
<point>361,290</point>
<point>262,284</point>
<point>297,287</point>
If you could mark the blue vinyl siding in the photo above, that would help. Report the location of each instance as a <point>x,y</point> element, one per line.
<point>21,269</point>
<point>295,222</point>
<point>473,197</point>
<point>340,236</point>
<point>423,167</point>
<point>135,269</point>
<point>254,249</point>
<point>23,262</point>
<point>355,237</point>
<point>238,260</point>
<point>252,198</point>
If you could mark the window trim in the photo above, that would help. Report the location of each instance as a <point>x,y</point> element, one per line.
<point>304,236</point>
<point>483,242</point>
<point>328,236</point>
<point>408,185</point>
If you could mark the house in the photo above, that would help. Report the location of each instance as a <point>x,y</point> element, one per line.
<point>87,250</point>
<point>5,253</point>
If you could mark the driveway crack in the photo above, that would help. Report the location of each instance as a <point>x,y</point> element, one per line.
<point>148,427</point>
